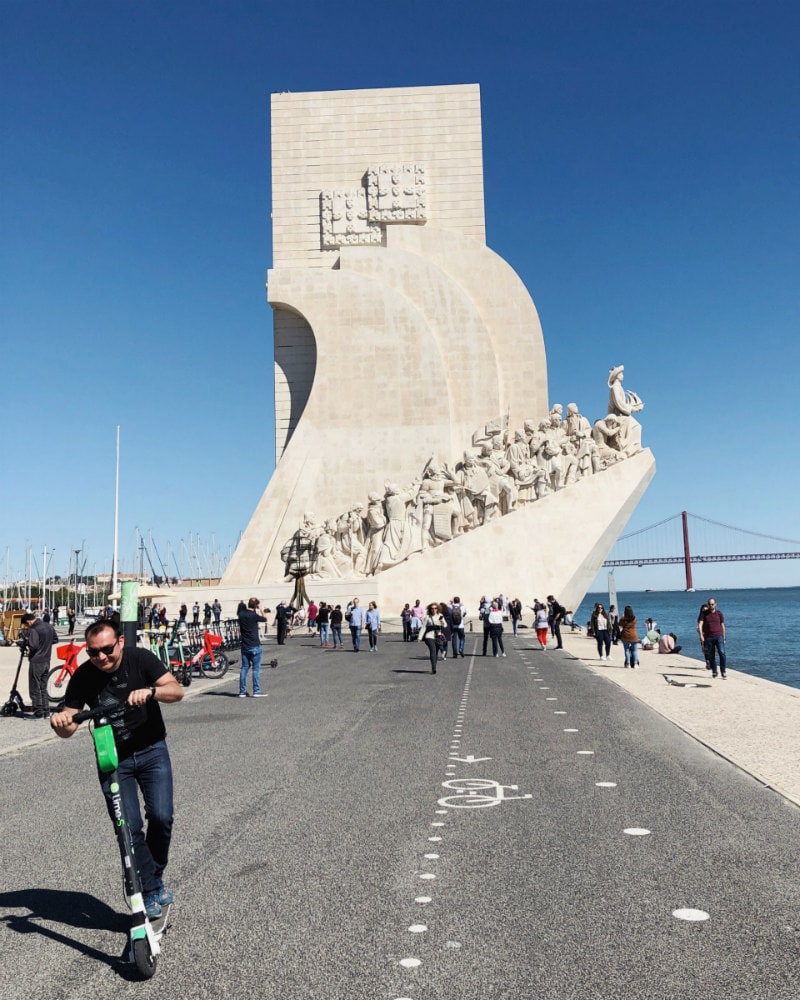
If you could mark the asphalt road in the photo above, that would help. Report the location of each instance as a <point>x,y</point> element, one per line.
<point>319,852</point>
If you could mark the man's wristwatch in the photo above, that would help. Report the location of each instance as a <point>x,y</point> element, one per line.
<point>153,691</point>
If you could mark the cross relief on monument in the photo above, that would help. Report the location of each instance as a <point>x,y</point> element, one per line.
<point>390,193</point>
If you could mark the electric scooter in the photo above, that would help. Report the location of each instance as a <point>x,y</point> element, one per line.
<point>15,700</point>
<point>145,934</point>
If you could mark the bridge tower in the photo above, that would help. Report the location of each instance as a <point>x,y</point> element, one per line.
<point>687,556</point>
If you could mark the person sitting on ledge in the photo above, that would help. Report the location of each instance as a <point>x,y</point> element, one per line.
<point>668,643</point>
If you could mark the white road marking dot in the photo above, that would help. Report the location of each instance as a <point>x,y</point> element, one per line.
<point>434,839</point>
<point>438,824</point>
<point>441,812</point>
<point>636,831</point>
<point>690,914</point>
<point>427,876</point>
<point>606,784</point>
<point>417,928</point>
<point>551,699</point>
<point>543,688</point>
<point>431,857</point>
<point>410,963</point>
<point>570,730</point>
<point>423,899</point>
<point>586,753</point>
<point>559,713</point>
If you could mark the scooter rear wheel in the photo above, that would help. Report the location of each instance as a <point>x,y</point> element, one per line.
<point>57,685</point>
<point>143,958</point>
<point>214,666</point>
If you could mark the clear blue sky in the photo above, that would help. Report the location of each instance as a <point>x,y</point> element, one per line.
<point>641,170</point>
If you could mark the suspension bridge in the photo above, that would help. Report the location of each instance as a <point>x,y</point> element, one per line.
<point>671,537</point>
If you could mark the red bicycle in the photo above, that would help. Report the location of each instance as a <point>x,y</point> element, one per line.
<point>58,678</point>
<point>209,660</point>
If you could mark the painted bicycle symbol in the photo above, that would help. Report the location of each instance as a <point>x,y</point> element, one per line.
<point>478,793</point>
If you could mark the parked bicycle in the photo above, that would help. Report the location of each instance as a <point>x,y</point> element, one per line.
<point>58,678</point>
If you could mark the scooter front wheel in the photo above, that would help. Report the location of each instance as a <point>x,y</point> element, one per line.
<point>143,958</point>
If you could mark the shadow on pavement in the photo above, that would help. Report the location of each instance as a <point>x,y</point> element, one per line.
<point>74,909</point>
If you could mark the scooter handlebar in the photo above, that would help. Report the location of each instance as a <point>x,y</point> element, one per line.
<point>99,712</point>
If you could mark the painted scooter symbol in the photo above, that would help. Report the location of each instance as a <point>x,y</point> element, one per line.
<point>478,793</point>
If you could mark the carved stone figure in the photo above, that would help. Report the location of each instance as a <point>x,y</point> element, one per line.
<point>497,466</point>
<point>441,512</point>
<point>608,436</point>
<point>331,562</point>
<point>398,538</point>
<point>576,426</point>
<point>623,404</point>
<point>522,467</point>
<point>478,503</point>
<point>299,553</point>
<point>374,524</point>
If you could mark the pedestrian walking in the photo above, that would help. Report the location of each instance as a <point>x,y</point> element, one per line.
<point>711,626</point>
<point>557,615</point>
<point>405,618</point>
<point>601,632</point>
<point>495,621</point>
<point>431,629</point>
<point>324,624</point>
<point>355,619</point>
<point>372,620</point>
<point>458,619</point>
<point>540,623</point>
<point>336,626</point>
<point>630,637</point>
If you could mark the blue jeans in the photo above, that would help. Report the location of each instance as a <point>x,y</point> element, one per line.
<point>515,625</point>
<point>324,633</point>
<point>603,638</point>
<point>713,645</point>
<point>631,652</point>
<point>457,639</point>
<point>250,658</point>
<point>355,632</point>
<point>337,634</point>
<point>149,769</point>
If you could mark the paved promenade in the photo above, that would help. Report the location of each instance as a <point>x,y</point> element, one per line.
<point>510,829</point>
<point>753,723</point>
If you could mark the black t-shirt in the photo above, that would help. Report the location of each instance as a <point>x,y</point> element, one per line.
<point>248,628</point>
<point>139,727</point>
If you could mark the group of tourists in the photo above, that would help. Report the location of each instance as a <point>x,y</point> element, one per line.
<point>609,629</point>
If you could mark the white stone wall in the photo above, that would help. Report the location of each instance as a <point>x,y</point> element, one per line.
<point>323,141</point>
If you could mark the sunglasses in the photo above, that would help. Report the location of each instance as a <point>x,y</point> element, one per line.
<point>102,651</point>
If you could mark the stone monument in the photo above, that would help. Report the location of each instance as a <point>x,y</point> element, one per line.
<point>417,454</point>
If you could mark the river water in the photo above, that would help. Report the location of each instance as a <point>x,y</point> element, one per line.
<point>759,625</point>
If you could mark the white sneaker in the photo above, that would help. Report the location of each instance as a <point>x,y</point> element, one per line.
<point>602,657</point>
<point>502,654</point>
